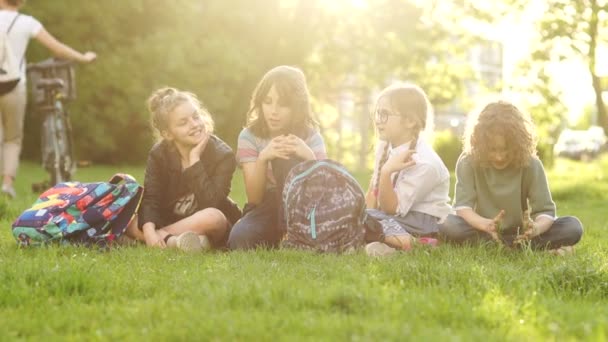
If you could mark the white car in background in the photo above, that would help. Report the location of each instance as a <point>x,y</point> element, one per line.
<point>580,144</point>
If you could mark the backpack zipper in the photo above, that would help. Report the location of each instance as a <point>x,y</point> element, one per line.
<point>313,223</point>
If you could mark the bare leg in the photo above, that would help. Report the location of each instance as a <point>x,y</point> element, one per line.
<point>8,180</point>
<point>209,222</point>
<point>133,232</point>
<point>403,242</point>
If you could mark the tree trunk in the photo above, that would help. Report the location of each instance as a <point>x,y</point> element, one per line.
<point>602,116</point>
<point>364,122</point>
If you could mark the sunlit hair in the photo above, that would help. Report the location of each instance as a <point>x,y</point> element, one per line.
<point>164,100</point>
<point>504,119</point>
<point>290,84</point>
<point>15,3</point>
<point>409,101</point>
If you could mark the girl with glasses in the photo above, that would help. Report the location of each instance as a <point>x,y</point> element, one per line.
<point>408,193</point>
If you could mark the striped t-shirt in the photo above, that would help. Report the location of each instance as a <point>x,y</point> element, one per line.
<point>250,146</point>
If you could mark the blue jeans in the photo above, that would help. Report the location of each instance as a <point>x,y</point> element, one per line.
<point>565,231</point>
<point>263,225</point>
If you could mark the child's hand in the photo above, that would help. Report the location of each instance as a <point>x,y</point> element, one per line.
<point>492,226</point>
<point>298,147</point>
<point>277,148</point>
<point>530,229</point>
<point>196,151</point>
<point>399,162</point>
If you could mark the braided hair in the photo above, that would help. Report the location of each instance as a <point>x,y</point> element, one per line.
<point>409,101</point>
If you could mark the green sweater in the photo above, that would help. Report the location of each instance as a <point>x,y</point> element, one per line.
<point>487,190</point>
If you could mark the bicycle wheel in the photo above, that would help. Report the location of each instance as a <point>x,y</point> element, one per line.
<point>64,144</point>
<point>48,146</point>
<point>56,147</point>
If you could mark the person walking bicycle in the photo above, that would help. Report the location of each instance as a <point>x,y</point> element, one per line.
<point>18,29</point>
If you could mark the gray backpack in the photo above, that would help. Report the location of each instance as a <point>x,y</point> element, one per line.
<point>324,208</point>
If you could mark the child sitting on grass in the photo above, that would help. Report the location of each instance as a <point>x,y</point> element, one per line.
<point>501,190</point>
<point>408,194</point>
<point>188,177</point>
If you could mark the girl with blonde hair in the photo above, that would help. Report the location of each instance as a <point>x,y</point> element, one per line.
<point>188,178</point>
<point>408,193</point>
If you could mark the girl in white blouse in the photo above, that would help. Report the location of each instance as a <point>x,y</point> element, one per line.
<point>408,193</point>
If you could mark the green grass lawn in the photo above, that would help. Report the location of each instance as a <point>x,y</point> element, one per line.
<point>447,293</point>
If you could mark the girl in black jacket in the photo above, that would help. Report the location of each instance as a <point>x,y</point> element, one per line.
<point>188,176</point>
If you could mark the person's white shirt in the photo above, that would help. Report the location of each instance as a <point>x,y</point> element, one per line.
<point>423,187</point>
<point>24,29</point>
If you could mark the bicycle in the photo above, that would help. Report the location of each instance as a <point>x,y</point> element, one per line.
<point>52,83</point>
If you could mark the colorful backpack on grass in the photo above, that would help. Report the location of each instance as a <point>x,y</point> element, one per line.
<point>324,208</point>
<point>80,213</point>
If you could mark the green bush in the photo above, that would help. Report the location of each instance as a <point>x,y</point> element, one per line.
<point>219,50</point>
<point>448,146</point>
<point>214,49</point>
<point>545,153</point>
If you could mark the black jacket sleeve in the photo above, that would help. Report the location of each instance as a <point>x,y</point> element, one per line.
<point>210,180</point>
<point>150,210</point>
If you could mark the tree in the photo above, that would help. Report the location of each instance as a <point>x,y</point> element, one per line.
<point>216,49</point>
<point>220,49</point>
<point>359,53</point>
<point>576,28</point>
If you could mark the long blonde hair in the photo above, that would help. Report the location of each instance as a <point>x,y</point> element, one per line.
<point>408,100</point>
<point>164,100</point>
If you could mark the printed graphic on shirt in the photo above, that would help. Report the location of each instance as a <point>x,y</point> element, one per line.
<point>185,205</point>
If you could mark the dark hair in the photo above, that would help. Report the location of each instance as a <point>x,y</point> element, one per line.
<point>290,84</point>
<point>500,118</point>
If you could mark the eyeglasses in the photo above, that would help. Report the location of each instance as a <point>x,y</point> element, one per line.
<point>382,115</point>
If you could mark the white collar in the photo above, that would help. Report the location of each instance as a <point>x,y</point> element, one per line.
<point>400,148</point>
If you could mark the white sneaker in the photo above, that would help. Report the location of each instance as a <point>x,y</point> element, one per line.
<point>205,244</point>
<point>379,249</point>
<point>188,242</point>
<point>9,190</point>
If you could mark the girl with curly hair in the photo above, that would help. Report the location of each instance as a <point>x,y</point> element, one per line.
<point>501,189</point>
<point>280,133</point>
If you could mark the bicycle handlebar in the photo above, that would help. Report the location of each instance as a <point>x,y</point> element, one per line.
<point>49,63</point>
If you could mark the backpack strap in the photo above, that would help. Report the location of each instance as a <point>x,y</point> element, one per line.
<point>10,27</point>
<point>122,177</point>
